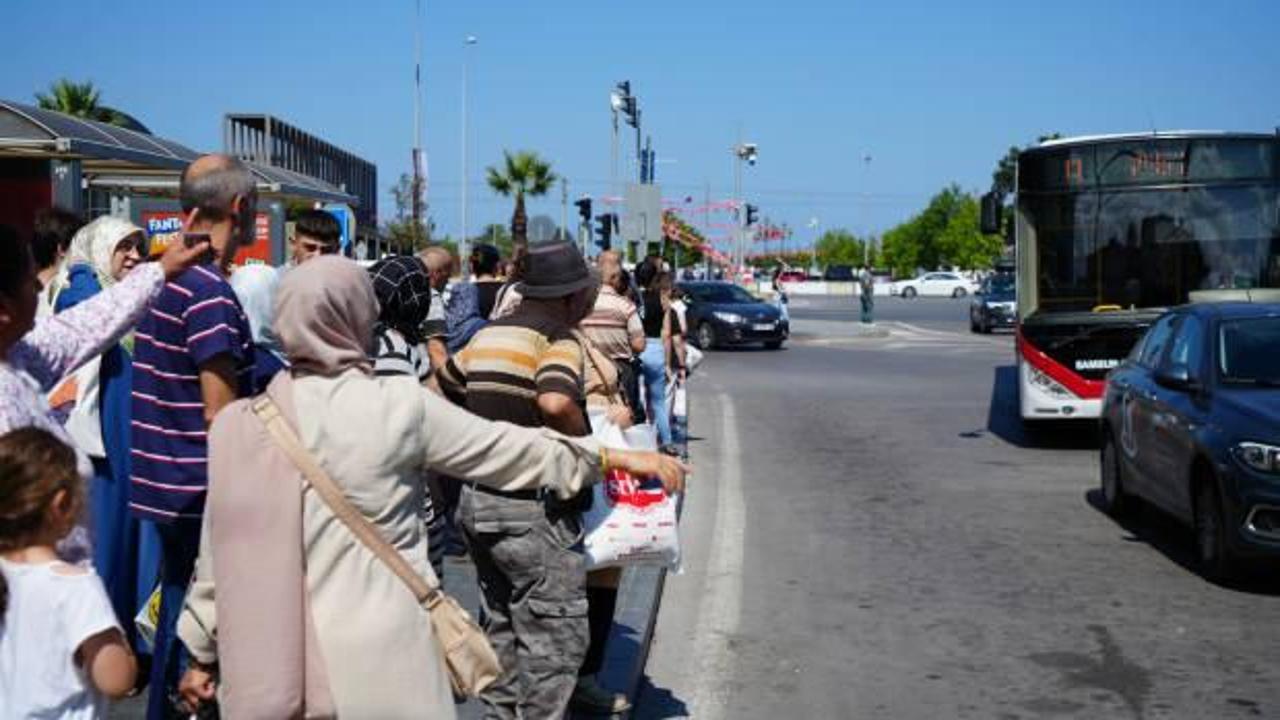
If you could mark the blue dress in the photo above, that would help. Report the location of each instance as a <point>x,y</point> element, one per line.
<point>126,551</point>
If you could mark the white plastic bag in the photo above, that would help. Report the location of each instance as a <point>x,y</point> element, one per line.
<point>631,521</point>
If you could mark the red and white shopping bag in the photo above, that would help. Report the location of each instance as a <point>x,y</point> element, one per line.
<point>632,521</point>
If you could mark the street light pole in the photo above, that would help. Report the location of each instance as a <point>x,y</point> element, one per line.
<point>464,249</point>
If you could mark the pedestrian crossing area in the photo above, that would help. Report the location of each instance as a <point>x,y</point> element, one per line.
<point>896,336</point>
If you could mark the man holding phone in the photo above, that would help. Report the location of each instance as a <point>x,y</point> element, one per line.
<point>192,354</point>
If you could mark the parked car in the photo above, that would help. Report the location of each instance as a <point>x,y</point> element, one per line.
<point>792,276</point>
<point>994,305</point>
<point>934,284</point>
<point>722,314</point>
<point>1191,424</point>
<point>839,273</point>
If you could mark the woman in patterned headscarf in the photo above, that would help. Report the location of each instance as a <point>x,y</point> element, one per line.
<point>404,298</point>
<point>124,553</point>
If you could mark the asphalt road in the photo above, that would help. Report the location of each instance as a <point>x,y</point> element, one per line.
<point>871,534</point>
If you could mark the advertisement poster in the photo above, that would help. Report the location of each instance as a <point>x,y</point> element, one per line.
<point>162,226</point>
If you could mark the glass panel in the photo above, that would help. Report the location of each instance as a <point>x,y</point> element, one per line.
<point>1147,162</point>
<point>1152,248</point>
<point>1188,345</point>
<point>1157,339</point>
<point>1248,349</point>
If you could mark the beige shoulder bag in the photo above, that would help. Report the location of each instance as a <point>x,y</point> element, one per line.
<point>472,663</point>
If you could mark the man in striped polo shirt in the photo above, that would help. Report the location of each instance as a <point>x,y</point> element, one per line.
<point>614,328</point>
<point>192,356</point>
<point>526,368</point>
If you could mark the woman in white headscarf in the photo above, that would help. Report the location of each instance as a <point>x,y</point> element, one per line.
<point>124,553</point>
<point>255,287</point>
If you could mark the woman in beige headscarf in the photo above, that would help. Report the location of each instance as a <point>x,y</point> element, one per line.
<point>344,636</point>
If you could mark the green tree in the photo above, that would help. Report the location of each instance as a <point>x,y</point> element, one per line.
<point>521,173</point>
<point>962,243</point>
<point>497,235</point>
<point>402,233</point>
<point>839,247</point>
<point>82,100</point>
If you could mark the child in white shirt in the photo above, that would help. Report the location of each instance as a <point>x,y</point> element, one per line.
<point>62,652</point>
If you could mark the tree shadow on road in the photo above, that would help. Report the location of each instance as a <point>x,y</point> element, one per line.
<point>1004,420</point>
<point>1147,524</point>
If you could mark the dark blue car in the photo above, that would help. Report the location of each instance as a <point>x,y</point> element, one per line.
<point>722,314</point>
<point>1191,424</point>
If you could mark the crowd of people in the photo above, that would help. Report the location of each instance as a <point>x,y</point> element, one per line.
<point>155,535</point>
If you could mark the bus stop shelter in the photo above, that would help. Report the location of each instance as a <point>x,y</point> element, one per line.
<point>49,159</point>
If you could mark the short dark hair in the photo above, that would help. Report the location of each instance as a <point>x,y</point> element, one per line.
<point>15,261</point>
<point>485,259</point>
<point>319,225</point>
<point>216,186</point>
<point>54,228</point>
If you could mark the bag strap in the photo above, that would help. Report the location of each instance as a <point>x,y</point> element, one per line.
<point>427,591</point>
<point>589,349</point>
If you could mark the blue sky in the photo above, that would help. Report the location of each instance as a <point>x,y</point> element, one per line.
<point>933,92</point>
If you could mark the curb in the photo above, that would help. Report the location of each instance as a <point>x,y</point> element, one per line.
<point>627,651</point>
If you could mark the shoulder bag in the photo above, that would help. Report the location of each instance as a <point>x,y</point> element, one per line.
<point>470,659</point>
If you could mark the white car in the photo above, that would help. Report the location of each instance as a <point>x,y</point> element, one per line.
<point>934,284</point>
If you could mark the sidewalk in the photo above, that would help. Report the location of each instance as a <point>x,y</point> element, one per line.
<point>628,643</point>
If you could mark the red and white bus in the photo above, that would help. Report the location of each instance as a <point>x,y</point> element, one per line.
<point>1112,230</point>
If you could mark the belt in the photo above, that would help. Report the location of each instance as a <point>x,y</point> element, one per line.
<point>538,494</point>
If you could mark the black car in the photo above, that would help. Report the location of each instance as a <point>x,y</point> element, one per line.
<point>839,273</point>
<point>1191,424</point>
<point>722,314</point>
<point>994,305</point>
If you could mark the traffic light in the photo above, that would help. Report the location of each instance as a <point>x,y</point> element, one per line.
<point>584,209</point>
<point>630,110</point>
<point>752,210</point>
<point>604,232</point>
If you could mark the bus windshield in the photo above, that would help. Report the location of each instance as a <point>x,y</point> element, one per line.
<point>1151,248</point>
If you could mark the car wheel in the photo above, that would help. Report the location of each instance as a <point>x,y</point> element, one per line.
<point>773,345</point>
<point>1116,502</point>
<point>1216,561</point>
<point>959,293</point>
<point>706,336</point>
<point>908,292</point>
<point>984,326</point>
<point>973,324</point>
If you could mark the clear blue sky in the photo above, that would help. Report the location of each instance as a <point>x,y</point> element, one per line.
<point>934,92</point>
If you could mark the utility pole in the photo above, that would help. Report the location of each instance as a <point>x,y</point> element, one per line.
<point>417,117</point>
<point>564,208</point>
<point>464,249</point>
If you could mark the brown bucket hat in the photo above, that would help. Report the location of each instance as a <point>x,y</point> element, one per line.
<point>555,269</point>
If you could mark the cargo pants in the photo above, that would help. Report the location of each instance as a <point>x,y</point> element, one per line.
<point>531,568</point>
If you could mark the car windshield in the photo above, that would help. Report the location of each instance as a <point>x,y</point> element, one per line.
<point>1001,288</point>
<point>721,294</point>
<point>1247,349</point>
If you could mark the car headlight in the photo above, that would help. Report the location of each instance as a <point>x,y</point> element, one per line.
<point>1260,457</point>
<point>731,318</point>
<point>1047,384</point>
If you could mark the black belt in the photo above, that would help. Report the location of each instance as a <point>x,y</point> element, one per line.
<point>538,494</point>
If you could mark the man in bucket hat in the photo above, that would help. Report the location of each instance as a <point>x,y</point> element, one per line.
<point>527,368</point>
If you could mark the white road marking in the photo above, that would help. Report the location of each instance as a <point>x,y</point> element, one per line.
<point>719,611</point>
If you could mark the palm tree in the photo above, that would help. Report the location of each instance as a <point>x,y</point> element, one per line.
<point>82,100</point>
<point>523,173</point>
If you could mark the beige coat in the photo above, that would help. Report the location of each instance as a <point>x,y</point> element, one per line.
<point>375,436</point>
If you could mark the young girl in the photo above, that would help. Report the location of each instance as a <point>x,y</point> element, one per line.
<point>62,653</point>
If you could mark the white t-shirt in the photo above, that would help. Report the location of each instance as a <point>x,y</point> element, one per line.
<point>50,614</point>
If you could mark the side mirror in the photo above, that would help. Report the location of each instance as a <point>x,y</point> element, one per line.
<point>992,209</point>
<point>1177,377</point>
